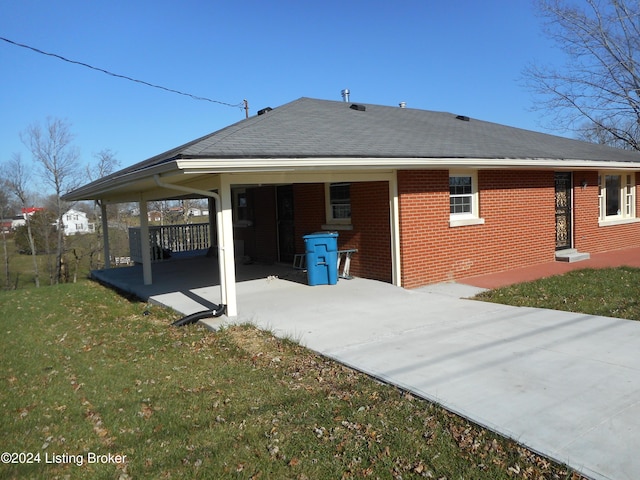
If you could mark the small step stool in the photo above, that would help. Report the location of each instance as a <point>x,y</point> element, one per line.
<point>300,262</point>
<point>347,254</point>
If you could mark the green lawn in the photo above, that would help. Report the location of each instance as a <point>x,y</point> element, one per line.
<point>87,372</point>
<point>611,292</point>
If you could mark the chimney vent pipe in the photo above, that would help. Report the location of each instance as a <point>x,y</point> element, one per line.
<point>345,95</point>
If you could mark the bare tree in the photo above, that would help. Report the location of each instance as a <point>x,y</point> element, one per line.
<point>106,163</point>
<point>52,150</point>
<point>597,90</point>
<point>4,210</point>
<point>16,177</point>
<point>594,133</point>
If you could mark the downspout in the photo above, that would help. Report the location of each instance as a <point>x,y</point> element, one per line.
<point>221,257</point>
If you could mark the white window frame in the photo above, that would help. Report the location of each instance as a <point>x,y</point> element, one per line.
<point>626,198</point>
<point>467,218</point>
<point>240,208</point>
<point>331,221</point>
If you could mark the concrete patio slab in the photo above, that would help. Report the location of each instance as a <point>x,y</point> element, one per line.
<point>565,385</point>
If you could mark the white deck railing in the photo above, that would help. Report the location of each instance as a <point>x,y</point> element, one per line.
<point>168,239</point>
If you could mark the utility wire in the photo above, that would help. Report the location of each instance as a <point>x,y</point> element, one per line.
<point>60,57</point>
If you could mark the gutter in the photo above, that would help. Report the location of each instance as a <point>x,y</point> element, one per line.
<point>288,165</point>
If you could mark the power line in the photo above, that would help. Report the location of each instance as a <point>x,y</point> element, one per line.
<point>60,57</point>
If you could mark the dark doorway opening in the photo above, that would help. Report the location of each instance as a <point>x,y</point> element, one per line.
<point>286,228</point>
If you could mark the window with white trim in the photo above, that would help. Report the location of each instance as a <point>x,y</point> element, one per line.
<point>616,196</point>
<point>463,199</point>
<point>338,206</point>
<point>242,214</point>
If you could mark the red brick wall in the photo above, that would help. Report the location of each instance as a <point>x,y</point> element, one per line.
<point>371,233</point>
<point>517,207</point>
<point>588,235</point>
<point>308,213</point>
<point>519,228</point>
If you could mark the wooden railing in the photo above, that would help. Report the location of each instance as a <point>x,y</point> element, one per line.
<point>167,239</point>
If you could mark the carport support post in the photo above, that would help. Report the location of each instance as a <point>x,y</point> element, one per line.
<point>105,235</point>
<point>227,247</point>
<point>394,220</point>
<point>145,248</point>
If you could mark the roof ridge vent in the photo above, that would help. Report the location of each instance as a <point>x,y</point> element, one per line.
<point>359,108</point>
<point>464,118</point>
<point>264,110</point>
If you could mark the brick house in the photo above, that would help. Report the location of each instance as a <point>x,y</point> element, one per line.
<point>423,196</point>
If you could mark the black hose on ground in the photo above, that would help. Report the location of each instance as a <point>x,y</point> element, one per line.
<point>194,317</point>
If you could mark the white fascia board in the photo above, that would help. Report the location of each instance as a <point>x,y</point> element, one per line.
<point>116,187</point>
<point>104,188</point>
<point>239,165</point>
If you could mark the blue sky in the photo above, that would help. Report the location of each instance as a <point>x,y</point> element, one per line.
<point>465,57</point>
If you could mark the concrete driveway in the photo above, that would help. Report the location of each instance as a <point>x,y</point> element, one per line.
<point>565,385</point>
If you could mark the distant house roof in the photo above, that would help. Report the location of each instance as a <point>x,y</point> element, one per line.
<point>31,210</point>
<point>309,132</point>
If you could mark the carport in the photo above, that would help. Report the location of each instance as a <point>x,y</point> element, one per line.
<point>214,178</point>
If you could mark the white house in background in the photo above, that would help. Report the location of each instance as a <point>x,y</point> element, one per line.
<point>76,222</point>
<point>18,221</point>
<point>21,220</point>
<point>197,212</point>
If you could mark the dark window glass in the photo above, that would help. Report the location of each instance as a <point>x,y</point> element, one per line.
<point>612,186</point>
<point>340,200</point>
<point>460,194</point>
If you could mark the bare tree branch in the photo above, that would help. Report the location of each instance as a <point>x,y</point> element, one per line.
<point>106,163</point>
<point>16,178</point>
<point>58,159</point>
<point>598,87</point>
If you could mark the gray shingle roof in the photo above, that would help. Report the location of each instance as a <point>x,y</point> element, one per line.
<point>307,128</point>
<point>319,128</point>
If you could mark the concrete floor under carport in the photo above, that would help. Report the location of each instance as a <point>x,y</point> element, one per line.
<point>565,385</point>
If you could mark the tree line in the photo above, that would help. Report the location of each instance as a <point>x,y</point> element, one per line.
<point>55,162</point>
<point>55,167</point>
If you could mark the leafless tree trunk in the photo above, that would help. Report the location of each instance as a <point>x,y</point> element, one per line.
<point>16,177</point>
<point>597,91</point>
<point>6,259</point>
<point>4,209</point>
<point>52,150</point>
<point>105,165</point>
<point>75,265</point>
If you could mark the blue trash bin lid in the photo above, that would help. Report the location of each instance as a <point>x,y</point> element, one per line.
<point>321,235</point>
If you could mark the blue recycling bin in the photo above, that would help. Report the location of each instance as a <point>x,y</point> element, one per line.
<point>321,250</point>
